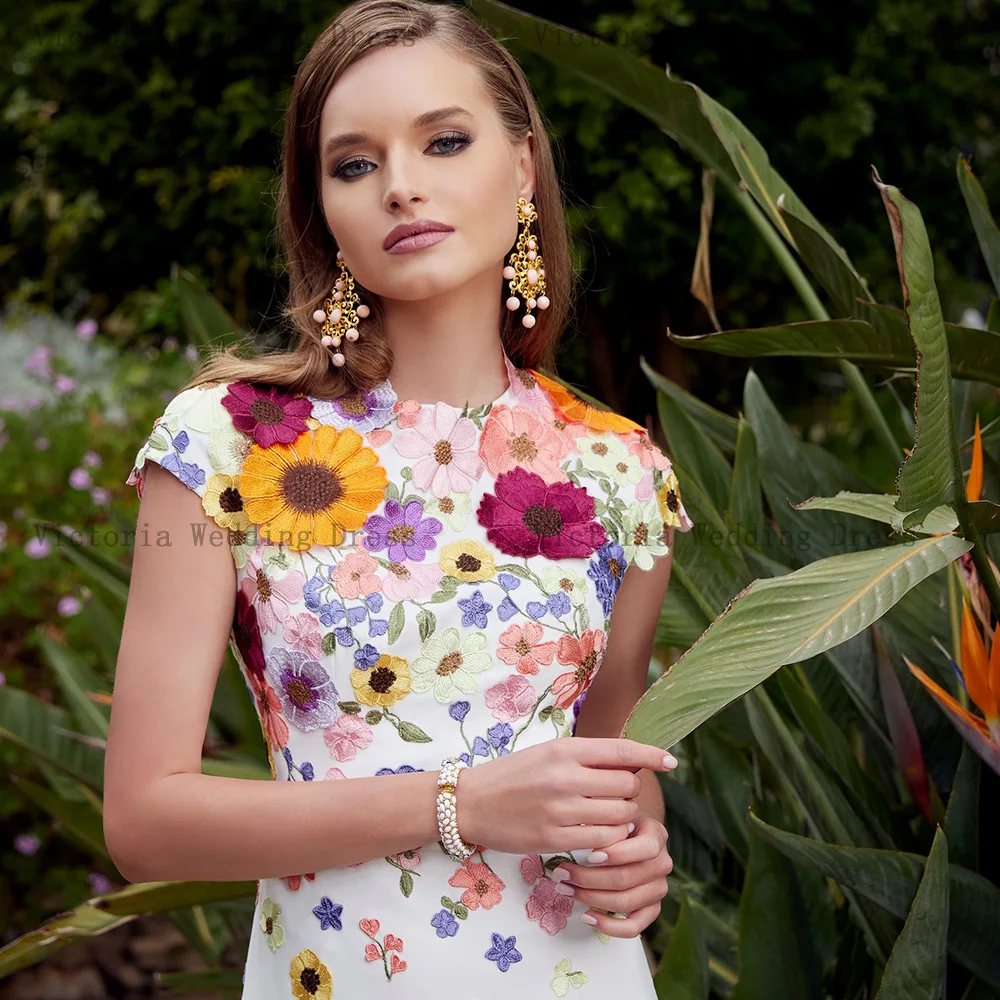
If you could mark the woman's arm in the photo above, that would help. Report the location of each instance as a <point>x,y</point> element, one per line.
<point>163,818</point>
<point>621,681</point>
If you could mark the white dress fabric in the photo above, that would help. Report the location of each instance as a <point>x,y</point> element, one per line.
<point>415,581</point>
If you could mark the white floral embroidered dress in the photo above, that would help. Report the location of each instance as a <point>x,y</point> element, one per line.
<point>417,581</point>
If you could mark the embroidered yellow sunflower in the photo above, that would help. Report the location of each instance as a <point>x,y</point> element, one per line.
<point>384,683</point>
<point>222,502</point>
<point>311,491</point>
<point>467,560</point>
<point>311,979</point>
<point>575,410</point>
<point>668,498</point>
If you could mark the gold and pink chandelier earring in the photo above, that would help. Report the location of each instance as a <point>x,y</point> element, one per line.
<point>525,273</point>
<point>341,311</point>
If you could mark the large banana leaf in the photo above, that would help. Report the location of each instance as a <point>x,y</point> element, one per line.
<point>982,219</point>
<point>782,620</point>
<point>683,970</point>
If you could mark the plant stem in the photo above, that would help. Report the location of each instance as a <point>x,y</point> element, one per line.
<point>980,558</point>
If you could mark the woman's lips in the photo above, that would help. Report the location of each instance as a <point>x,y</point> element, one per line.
<point>418,241</point>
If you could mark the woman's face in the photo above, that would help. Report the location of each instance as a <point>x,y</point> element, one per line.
<point>457,168</point>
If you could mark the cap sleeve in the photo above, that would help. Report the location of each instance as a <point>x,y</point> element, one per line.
<point>654,505</point>
<point>194,439</point>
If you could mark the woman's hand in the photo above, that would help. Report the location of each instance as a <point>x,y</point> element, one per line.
<point>632,880</point>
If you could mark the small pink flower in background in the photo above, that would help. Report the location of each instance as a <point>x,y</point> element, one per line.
<point>80,479</point>
<point>191,353</point>
<point>10,402</point>
<point>38,362</point>
<point>531,868</point>
<point>91,459</point>
<point>100,496</point>
<point>348,735</point>
<point>512,698</point>
<point>170,344</point>
<point>32,402</point>
<point>99,883</point>
<point>548,907</point>
<point>41,443</point>
<point>3,678</point>
<point>27,843</point>
<point>86,328</point>
<point>64,384</point>
<point>69,606</point>
<point>37,548</point>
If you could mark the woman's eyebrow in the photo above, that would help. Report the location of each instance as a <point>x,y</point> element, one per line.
<point>338,142</point>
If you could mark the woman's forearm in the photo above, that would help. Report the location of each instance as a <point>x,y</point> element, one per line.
<point>204,827</point>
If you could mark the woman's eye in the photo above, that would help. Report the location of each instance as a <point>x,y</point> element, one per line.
<point>460,139</point>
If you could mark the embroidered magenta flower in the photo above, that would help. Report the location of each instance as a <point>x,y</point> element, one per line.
<point>527,517</point>
<point>442,445</point>
<point>246,631</point>
<point>302,632</point>
<point>348,735</point>
<point>584,654</point>
<point>531,868</point>
<point>517,437</point>
<point>519,647</point>
<point>548,907</point>
<point>356,576</point>
<point>482,887</point>
<point>512,698</point>
<point>268,414</point>
<point>271,597</point>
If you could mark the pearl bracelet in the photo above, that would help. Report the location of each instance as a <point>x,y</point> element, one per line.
<point>453,843</point>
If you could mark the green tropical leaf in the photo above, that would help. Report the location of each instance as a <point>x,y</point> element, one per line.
<point>961,821</point>
<point>76,679</point>
<point>79,818</point>
<point>683,971</point>
<point>206,322</point>
<point>982,219</point>
<point>744,506</point>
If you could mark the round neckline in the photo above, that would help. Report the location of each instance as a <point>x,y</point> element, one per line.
<point>509,391</point>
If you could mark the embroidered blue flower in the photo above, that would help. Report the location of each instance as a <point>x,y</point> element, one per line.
<point>508,581</point>
<point>306,770</point>
<point>537,609</point>
<point>607,572</point>
<point>458,710</point>
<point>445,922</point>
<point>328,913</point>
<point>402,769</point>
<point>187,472</point>
<point>503,951</point>
<point>500,734</point>
<point>506,609</point>
<point>475,609</point>
<point>559,603</point>
<point>480,747</point>
<point>366,656</point>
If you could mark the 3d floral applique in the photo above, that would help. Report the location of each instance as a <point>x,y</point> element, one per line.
<point>483,887</point>
<point>272,589</point>
<point>565,978</point>
<point>223,503</point>
<point>642,528</point>
<point>314,490</point>
<point>443,445</point>
<point>273,931</point>
<point>525,516</point>
<point>668,498</point>
<point>386,950</point>
<point>328,913</point>
<point>606,454</point>
<point>522,646</point>
<point>548,907</point>
<point>347,736</point>
<point>406,861</point>
<point>448,663</point>
<point>402,532</point>
<point>503,951</point>
<point>363,412</point>
<point>268,414</point>
<point>467,560</point>
<point>517,437</point>
<point>445,921</point>
<point>607,571</point>
<point>307,692</point>
<point>383,683</point>
<point>268,706</point>
<point>246,635</point>
<point>584,654</point>
<point>311,979</point>
<point>294,882</point>
<point>511,699</point>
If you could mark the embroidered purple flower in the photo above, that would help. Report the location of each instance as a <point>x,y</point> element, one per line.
<point>361,411</point>
<point>475,609</point>
<point>328,912</point>
<point>270,415</point>
<point>607,571</point>
<point>527,516</point>
<point>308,695</point>
<point>458,710</point>
<point>503,951</point>
<point>403,530</point>
<point>366,656</point>
<point>402,769</point>
<point>577,705</point>
<point>189,473</point>
<point>500,735</point>
<point>445,922</point>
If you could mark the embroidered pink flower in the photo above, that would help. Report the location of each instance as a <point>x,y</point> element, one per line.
<point>379,436</point>
<point>355,576</point>
<point>408,860</point>
<point>294,882</point>
<point>482,887</point>
<point>443,448</point>
<point>649,454</point>
<point>269,711</point>
<point>512,698</point>
<point>407,412</point>
<point>548,907</point>
<point>584,653</point>
<point>516,436</point>
<point>348,735</point>
<point>644,489</point>
<point>272,598</point>
<point>268,414</point>
<point>527,517</point>
<point>302,632</point>
<point>409,581</point>
<point>531,868</point>
<point>519,647</point>
<point>334,774</point>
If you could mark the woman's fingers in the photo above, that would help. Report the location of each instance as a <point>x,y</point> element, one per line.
<point>628,926</point>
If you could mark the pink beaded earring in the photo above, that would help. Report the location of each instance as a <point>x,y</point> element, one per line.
<point>525,273</point>
<point>339,316</point>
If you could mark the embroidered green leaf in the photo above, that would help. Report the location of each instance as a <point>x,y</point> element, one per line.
<point>374,717</point>
<point>397,619</point>
<point>391,491</point>
<point>406,473</point>
<point>426,623</point>
<point>350,707</point>
<point>442,595</point>
<point>412,733</point>
<point>514,569</point>
<point>446,900</point>
<point>461,911</point>
<point>157,442</point>
<point>545,713</point>
<point>406,883</point>
<point>558,715</point>
<point>329,643</point>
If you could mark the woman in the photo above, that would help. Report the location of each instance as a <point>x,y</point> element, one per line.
<point>416,545</point>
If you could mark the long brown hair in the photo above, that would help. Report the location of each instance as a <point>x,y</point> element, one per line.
<point>309,250</point>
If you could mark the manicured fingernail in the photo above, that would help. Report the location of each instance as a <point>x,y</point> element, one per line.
<point>669,761</point>
<point>566,890</point>
<point>596,857</point>
<point>631,827</point>
<point>589,918</point>
<point>560,875</point>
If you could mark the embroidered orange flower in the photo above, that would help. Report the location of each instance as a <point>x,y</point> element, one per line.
<point>482,887</point>
<point>311,491</point>
<point>583,653</point>
<point>520,647</point>
<point>574,409</point>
